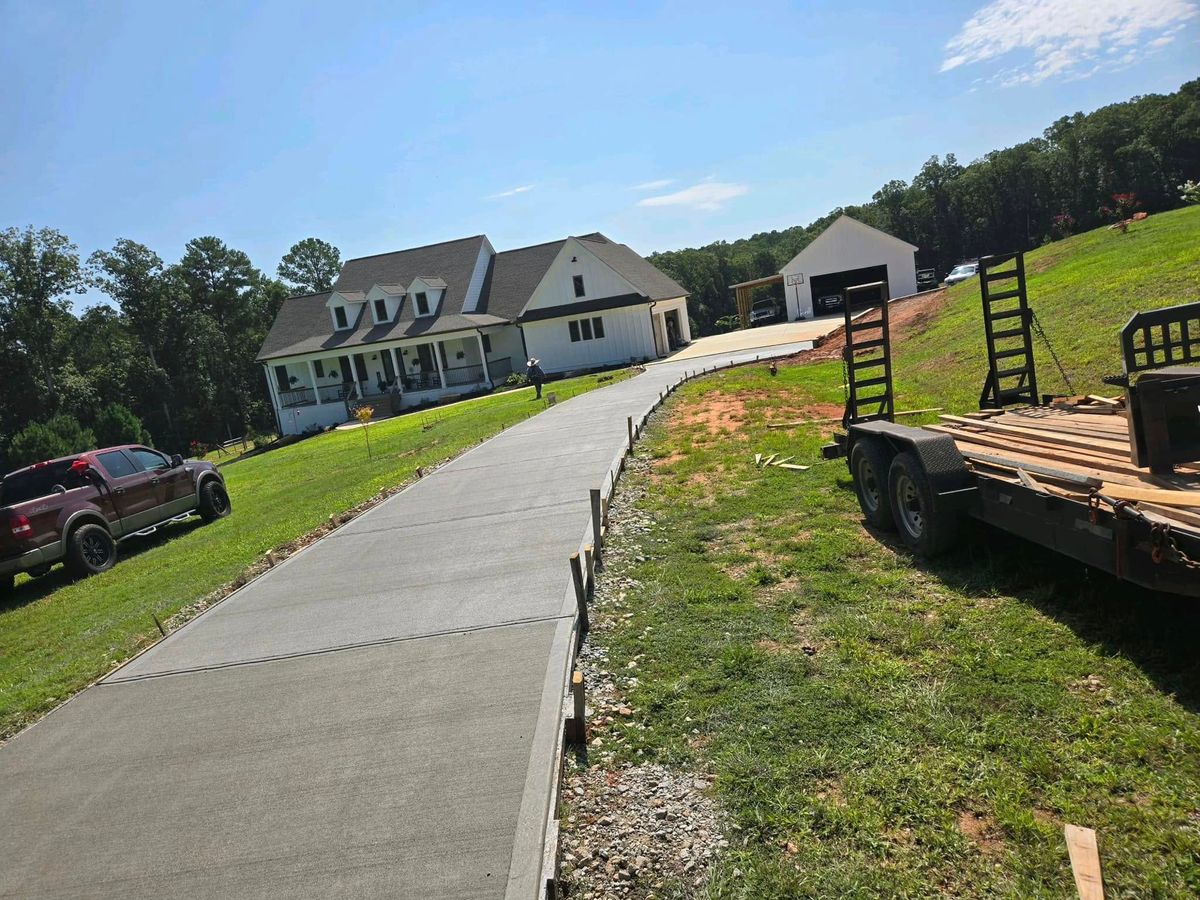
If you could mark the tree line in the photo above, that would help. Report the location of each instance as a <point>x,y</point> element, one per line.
<point>1086,169</point>
<point>170,362</point>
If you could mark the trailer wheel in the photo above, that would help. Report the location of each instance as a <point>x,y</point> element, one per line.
<point>922,526</point>
<point>90,550</point>
<point>869,462</point>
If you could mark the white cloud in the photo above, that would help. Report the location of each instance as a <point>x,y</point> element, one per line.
<point>1066,38</point>
<point>708,195</point>
<point>653,185</point>
<point>511,193</point>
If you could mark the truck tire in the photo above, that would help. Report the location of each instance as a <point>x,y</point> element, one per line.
<point>926,530</point>
<point>869,462</point>
<point>214,501</point>
<point>6,584</point>
<point>90,550</point>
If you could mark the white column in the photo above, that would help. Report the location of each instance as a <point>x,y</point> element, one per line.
<point>483,356</point>
<point>396,367</point>
<point>437,361</point>
<point>312,373</point>
<point>267,369</point>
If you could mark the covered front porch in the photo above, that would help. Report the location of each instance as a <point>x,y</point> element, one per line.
<point>320,389</point>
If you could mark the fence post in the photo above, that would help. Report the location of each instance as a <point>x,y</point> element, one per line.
<point>577,730</point>
<point>580,594</point>
<point>629,422</point>
<point>589,569</point>
<point>597,524</point>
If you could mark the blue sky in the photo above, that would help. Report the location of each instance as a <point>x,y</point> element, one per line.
<point>381,126</point>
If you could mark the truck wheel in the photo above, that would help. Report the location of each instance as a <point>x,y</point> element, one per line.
<point>869,461</point>
<point>925,529</point>
<point>6,584</point>
<point>214,501</point>
<point>90,550</point>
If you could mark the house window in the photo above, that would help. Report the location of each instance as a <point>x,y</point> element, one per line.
<point>586,329</point>
<point>574,326</point>
<point>487,343</point>
<point>320,368</point>
<point>339,317</point>
<point>578,281</point>
<point>585,326</point>
<point>422,304</point>
<point>381,313</point>
<point>598,327</point>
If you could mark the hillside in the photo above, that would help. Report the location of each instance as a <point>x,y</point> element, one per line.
<point>1082,289</point>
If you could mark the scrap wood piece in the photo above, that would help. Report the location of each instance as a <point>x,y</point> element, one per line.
<point>758,459</point>
<point>793,467</point>
<point>1175,515</point>
<point>1085,862</point>
<point>780,462</point>
<point>1028,481</point>
<point>767,461</point>
<point>1027,467</point>
<point>1045,437</point>
<point>1106,401</point>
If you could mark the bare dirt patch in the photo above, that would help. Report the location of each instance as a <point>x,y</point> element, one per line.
<point>719,415</point>
<point>980,830</point>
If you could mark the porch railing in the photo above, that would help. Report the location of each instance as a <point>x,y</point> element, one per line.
<point>460,375</point>
<point>297,397</point>
<point>420,381</point>
<point>333,393</point>
<point>500,369</point>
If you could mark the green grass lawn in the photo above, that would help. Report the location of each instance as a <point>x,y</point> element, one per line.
<point>878,726</point>
<point>56,635</point>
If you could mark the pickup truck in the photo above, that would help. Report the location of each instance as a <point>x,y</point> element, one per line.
<point>78,508</point>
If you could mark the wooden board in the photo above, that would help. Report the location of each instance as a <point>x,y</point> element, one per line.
<point>1046,436</point>
<point>1085,862</point>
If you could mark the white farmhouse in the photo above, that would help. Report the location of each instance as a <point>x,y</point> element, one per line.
<point>421,325</point>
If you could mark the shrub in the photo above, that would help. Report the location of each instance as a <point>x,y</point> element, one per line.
<point>515,379</point>
<point>116,424</point>
<point>59,436</point>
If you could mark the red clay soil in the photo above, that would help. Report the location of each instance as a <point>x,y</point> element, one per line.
<point>911,314</point>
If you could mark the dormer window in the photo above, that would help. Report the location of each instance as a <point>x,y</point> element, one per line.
<point>422,301</point>
<point>381,311</point>
<point>339,317</point>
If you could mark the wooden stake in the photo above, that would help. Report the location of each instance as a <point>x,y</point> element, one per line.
<point>597,523</point>
<point>629,422</point>
<point>580,593</point>
<point>1085,862</point>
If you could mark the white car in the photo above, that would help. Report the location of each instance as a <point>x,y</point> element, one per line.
<point>962,272</point>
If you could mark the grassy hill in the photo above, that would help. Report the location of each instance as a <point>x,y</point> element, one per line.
<point>1083,289</point>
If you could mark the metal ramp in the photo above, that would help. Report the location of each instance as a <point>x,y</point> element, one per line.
<point>1011,377</point>
<point>868,377</point>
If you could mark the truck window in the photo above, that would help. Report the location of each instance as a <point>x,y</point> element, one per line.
<point>150,460</point>
<point>29,484</point>
<point>116,464</point>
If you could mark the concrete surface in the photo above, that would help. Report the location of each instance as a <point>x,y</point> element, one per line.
<point>765,336</point>
<point>378,716</point>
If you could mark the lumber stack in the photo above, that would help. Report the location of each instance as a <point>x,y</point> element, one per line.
<point>1071,449</point>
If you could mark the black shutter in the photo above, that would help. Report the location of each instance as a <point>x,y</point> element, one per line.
<point>281,378</point>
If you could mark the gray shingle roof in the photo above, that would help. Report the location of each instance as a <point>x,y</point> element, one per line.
<point>626,263</point>
<point>303,324</point>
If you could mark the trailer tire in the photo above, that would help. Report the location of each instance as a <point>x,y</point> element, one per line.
<point>926,529</point>
<point>214,501</point>
<point>869,465</point>
<point>90,550</point>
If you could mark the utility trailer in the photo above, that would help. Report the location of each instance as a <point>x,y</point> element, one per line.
<point>1110,482</point>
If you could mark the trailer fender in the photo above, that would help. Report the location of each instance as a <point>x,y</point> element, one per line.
<point>953,484</point>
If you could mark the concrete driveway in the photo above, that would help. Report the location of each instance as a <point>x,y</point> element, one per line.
<point>756,338</point>
<point>378,716</point>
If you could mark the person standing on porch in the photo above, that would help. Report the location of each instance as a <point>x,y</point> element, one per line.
<point>535,376</point>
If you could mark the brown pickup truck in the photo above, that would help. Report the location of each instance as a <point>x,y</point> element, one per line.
<point>76,509</point>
